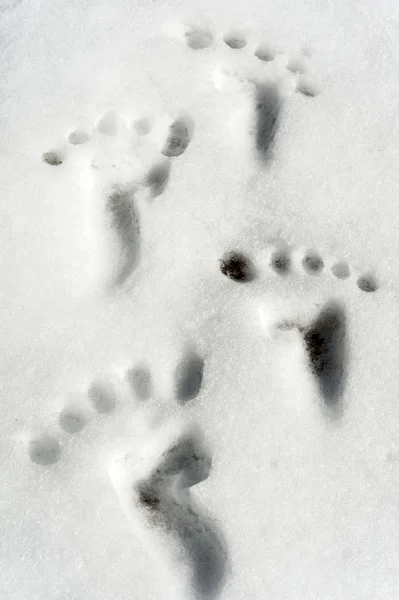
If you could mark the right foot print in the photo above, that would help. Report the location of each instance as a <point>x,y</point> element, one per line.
<point>256,78</point>
<point>322,335</point>
<point>152,481</point>
<point>127,160</point>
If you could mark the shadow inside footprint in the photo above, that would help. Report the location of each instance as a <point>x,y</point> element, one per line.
<point>165,497</point>
<point>188,377</point>
<point>124,222</point>
<point>268,103</point>
<point>198,39</point>
<point>326,347</point>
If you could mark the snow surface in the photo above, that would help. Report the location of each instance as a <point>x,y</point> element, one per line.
<point>168,431</point>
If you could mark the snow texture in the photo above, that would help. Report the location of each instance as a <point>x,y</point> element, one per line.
<point>198,300</point>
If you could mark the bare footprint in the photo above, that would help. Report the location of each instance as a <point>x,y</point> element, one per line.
<point>325,342</point>
<point>256,93</point>
<point>324,337</point>
<point>128,161</point>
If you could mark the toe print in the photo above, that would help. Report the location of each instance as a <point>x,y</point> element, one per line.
<point>280,261</point>
<point>53,158</point>
<point>158,177</point>
<point>197,38</point>
<point>312,263</point>
<point>142,126</point>
<point>178,138</point>
<point>108,124</point>
<point>78,137</point>
<point>188,377</point>
<point>326,347</point>
<point>44,450</point>
<point>341,270</point>
<point>140,381</point>
<point>237,266</point>
<point>307,87</point>
<point>105,393</point>
<point>284,260</point>
<point>72,420</point>
<point>367,283</point>
<point>265,53</point>
<point>235,40</point>
<point>102,397</point>
<point>296,64</point>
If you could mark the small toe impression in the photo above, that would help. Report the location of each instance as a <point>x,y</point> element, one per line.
<point>53,158</point>
<point>78,137</point>
<point>188,377</point>
<point>341,270</point>
<point>306,87</point>
<point>71,419</point>
<point>325,342</point>
<point>198,38</point>
<point>102,397</point>
<point>158,177</point>
<point>44,450</point>
<point>280,262</point>
<point>108,124</point>
<point>312,263</point>
<point>142,126</point>
<point>237,266</point>
<point>235,40</point>
<point>265,53</point>
<point>179,136</point>
<point>140,381</point>
<point>367,283</point>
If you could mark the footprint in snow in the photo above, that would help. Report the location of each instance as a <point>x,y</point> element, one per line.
<point>154,492</point>
<point>323,336</point>
<point>255,76</point>
<point>130,160</point>
<point>257,93</point>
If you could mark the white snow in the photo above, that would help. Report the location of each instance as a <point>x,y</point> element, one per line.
<point>166,430</point>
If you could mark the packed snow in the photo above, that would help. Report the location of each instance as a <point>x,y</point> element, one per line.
<point>199,315</point>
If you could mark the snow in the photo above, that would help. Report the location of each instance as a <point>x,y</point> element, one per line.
<point>169,430</point>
